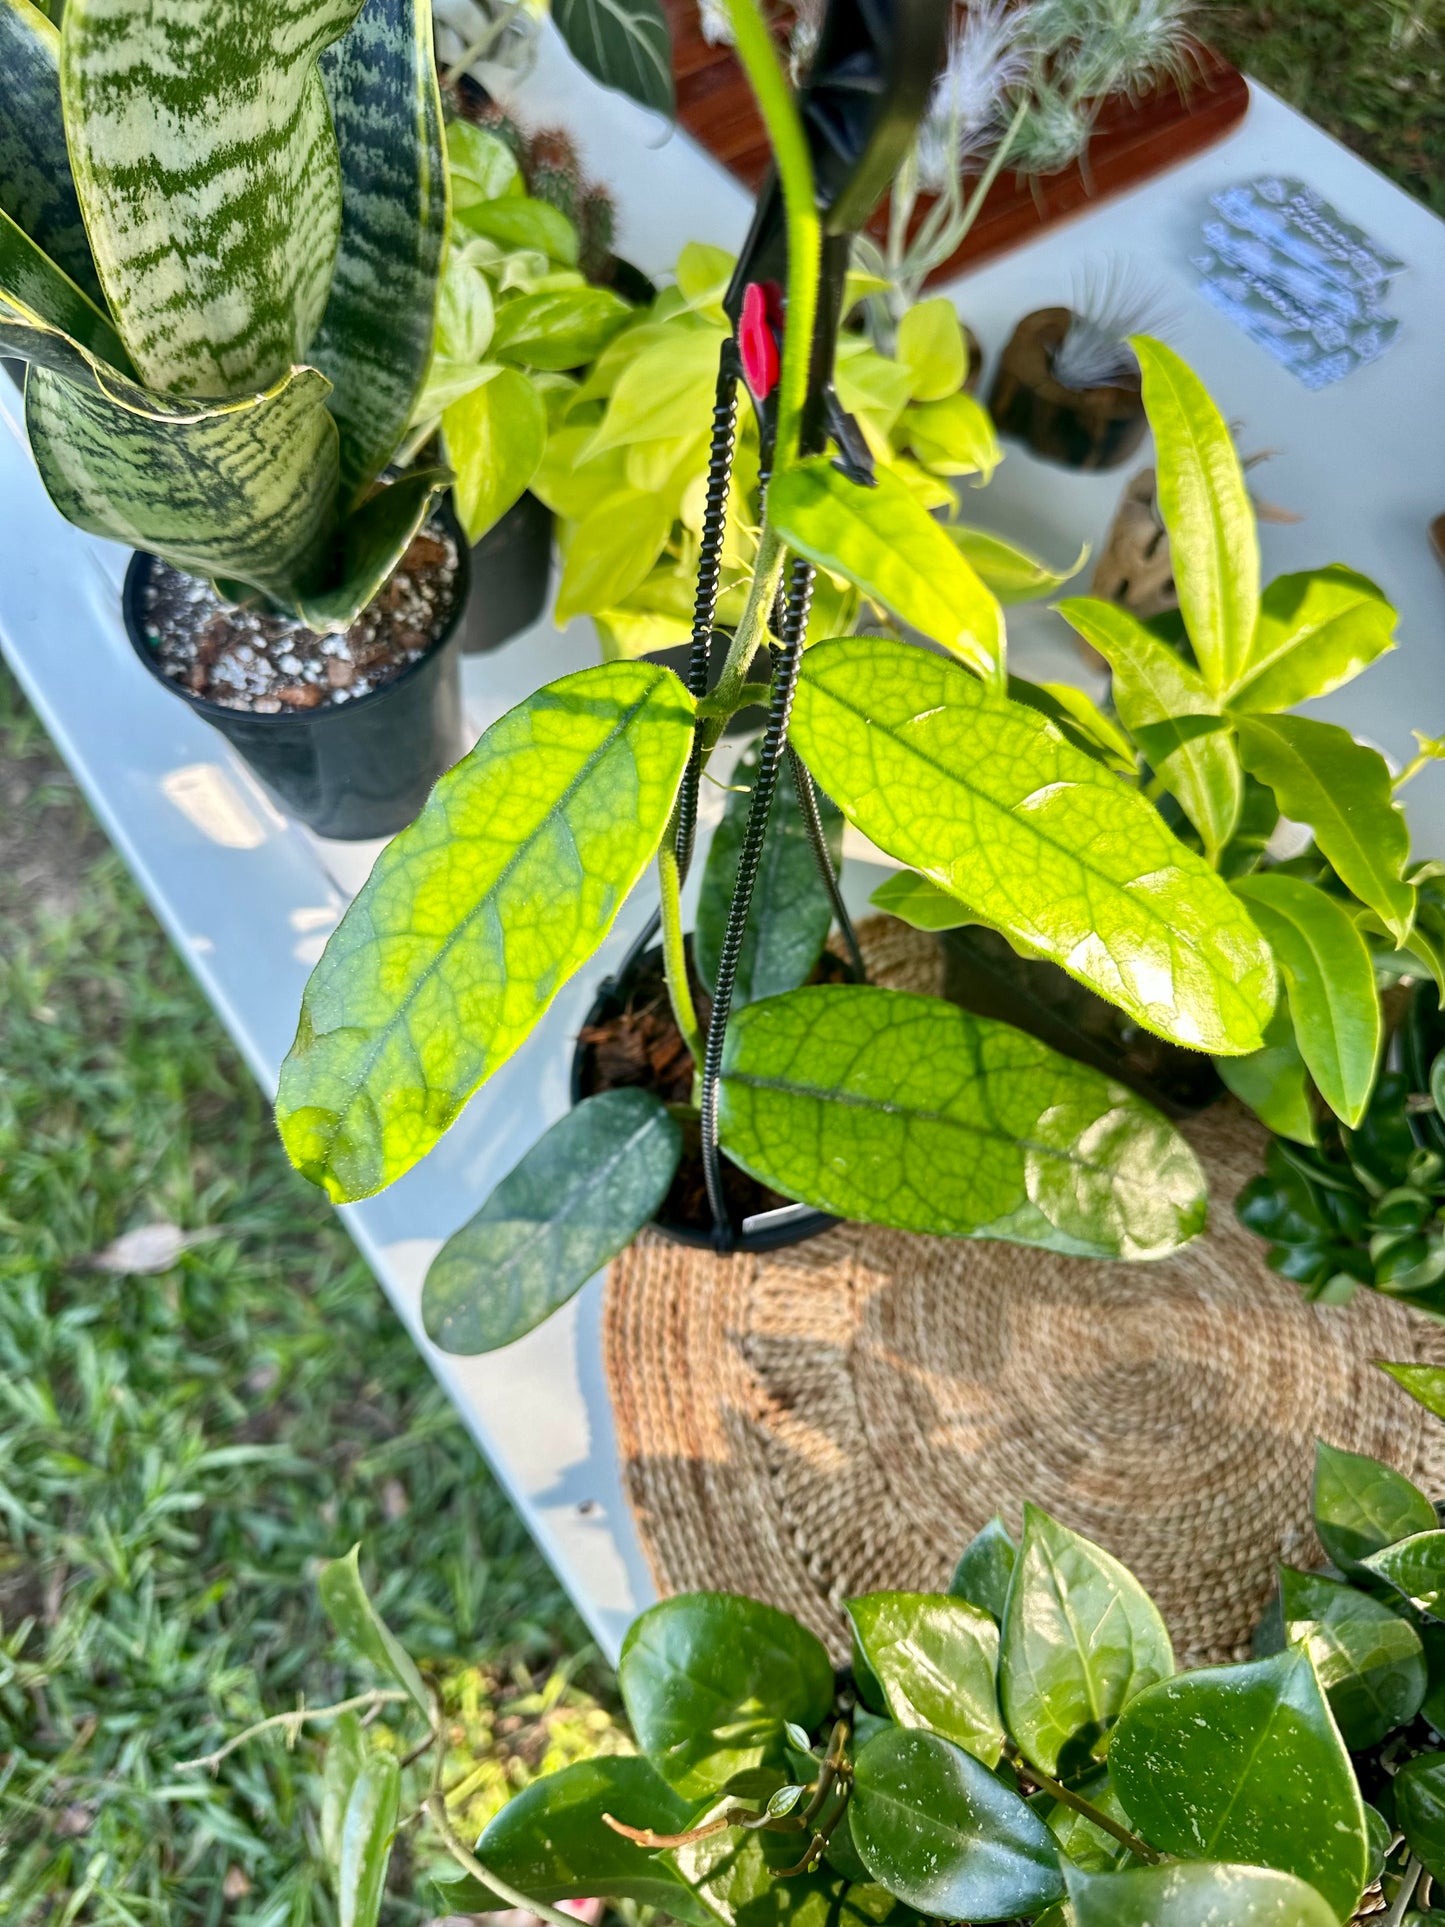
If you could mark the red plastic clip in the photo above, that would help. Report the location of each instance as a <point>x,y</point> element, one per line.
<point>756,339</point>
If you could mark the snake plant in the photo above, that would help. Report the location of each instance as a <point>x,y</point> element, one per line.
<point>221,232</point>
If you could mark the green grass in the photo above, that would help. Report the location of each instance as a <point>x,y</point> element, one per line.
<point>177,1452</point>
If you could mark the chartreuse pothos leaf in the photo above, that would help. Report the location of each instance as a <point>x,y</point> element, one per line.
<point>1246,1764</point>
<point>216,250</point>
<point>611,550</point>
<point>932,348</point>
<point>1012,573</point>
<point>1172,716</point>
<point>934,1659</point>
<point>791,911</point>
<point>954,436</point>
<point>1362,1506</point>
<point>1425,1383</point>
<point>1368,1659</point>
<point>1197,1894</point>
<point>1315,631</point>
<point>908,1111</point>
<point>883,541</point>
<point>914,900</point>
<point>1416,1568</point>
<point>33,287</point>
<point>368,1826</point>
<point>36,189</point>
<point>986,798</point>
<point>1321,776</point>
<point>565,328</point>
<point>985,1568</point>
<point>1206,509</point>
<point>1330,980</point>
<point>579,1196</point>
<point>1081,1639</point>
<point>375,339</point>
<point>351,1612</point>
<point>495,435</point>
<point>710,1679</point>
<point>623,43</point>
<point>935,1827</point>
<point>474,918</point>
<point>1273,1081</point>
<point>1419,1789</point>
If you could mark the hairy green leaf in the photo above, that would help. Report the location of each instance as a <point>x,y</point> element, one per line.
<point>1246,1764</point>
<point>351,1612</point>
<point>1321,776</point>
<point>947,1837</point>
<point>579,1196</point>
<point>907,1111</point>
<point>1081,1639</point>
<point>914,900</point>
<point>1200,1894</point>
<point>624,44</point>
<point>881,539</point>
<point>495,435</point>
<point>1012,573</point>
<point>986,798</point>
<point>475,917</point>
<point>367,1829</point>
<point>1315,631</point>
<point>36,188</point>
<point>934,1659</point>
<point>1416,1568</point>
<point>1207,511</point>
<point>1368,1659</point>
<point>1419,1789</point>
<point>985,1568</point>
<point>1330,979</point>
<point>710,1679</point>
<point>1362,1505</point>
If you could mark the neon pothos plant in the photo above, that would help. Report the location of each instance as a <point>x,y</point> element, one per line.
<point>221,226</point>
<point>897,1109</point>
<point>1019,1748</point>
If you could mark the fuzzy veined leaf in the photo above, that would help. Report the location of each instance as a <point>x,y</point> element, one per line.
<point>987,799</point>
<point>206,163</point>
<point>624,43</point>
<point>36,189</point>
<point>475,917</point>
<point>375,339</point>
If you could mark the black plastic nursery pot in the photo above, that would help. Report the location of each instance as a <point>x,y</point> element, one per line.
<point>511,574</point>
<point>767,1226</point>
<point>347,770</point>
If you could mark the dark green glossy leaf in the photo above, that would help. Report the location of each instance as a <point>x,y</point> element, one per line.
<point>36,189</point>
<point>579,1196</point>
<point>1246,1764</point>
<point>985,1567</point>
<point>1362,1505</point>
<point>987,799</point>
<point>374,538</point>
<point>367,1829</point>
<point>1419,1789</point>
<point>907,1111</point>
<point>710,1679</point>
<point>937,1829</point>
<point>346,1748</point>
<point>1425,1383</point>
<point>735,1878</point>
<point>475,917</point>
<point>1315,631</point>
<point>1205,1894</point>
<point>352,1614</point>
<point>1368,1659</point>
<point>1321,776</point>
<point>623,43</point>
<point>1382,1835</point>
<point>791,911</point>
<point>1273,1081</point>
<point>1081,1639</point>
<point>915,901</point>
<point>1415,1567</point>
<point>1084,1843</point>
<point>934,1658</point>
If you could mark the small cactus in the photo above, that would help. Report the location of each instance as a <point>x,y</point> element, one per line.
<point>553,173</point>
<point>597,226</point>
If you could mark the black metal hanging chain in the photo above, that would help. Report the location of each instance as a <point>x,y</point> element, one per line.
<point>823,857</point>
<point>775,736</point>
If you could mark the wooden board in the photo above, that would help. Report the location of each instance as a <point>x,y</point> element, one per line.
<point>1132,141</point>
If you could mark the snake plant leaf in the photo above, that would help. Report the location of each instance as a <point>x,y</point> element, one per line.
<point>373,542</point>
<point>216,247</point>
<point>1173,718</point>
<point>1368,1659</point>
<point>1315,632</point>
<point>907,1111</point>
<point>579,1196</point>
<point>1200,1893</point>
<point>244,489</point>
<point>985,1567</point>
<point>934,1659</point>
<point>1321,776</point>
<point>1245,1764</point>
<point>881,539</point>
<point>1012,573</point>
<point>1273,1080</point>
<point>33,288</point>
<point>368,1827</point>
<point>987,799</point>
<point>375,339</point>
<point>1081,1639</point>
<point>1330,979</point>
<point>1362,1505</point>
<point>474,918</point>
<point>36,188</point>
<point>624,43</point>
<point>1206,509</point>
<point>914,900</point>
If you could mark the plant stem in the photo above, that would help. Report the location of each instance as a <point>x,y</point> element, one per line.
<point>1079,1804</point>
<point>750,633</point>
<point>674,954</point>
<point>1409,1880</point>
<point>293,1722</point>
<point>437,1814</point>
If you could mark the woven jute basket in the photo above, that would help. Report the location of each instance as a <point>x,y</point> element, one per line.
<point>842,1416</point>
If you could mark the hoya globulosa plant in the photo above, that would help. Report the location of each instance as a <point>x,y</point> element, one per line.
<point>221,229</point>
<point>1020,1748</point>
<point>896,1109</point>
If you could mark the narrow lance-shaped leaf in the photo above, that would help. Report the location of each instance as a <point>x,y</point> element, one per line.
<point>36,188</point>
<point>375,338</point>
<point>907,1111</point>
<point>1198,1894</point>
<point>882,540</point>
<point>1330,979</point>
<point>1362,1505</point>
<point>475,917</point>
<point>1012,573</point>
<point>987,799</point>
<point>1315,632</point>
<point>1206,509</point>
<point>368,1827</point>
<point>346,1749</point>
<point>624,44</point>
<point>934,1659</point>
<point>579,1196</point>
<point>349,1608</point>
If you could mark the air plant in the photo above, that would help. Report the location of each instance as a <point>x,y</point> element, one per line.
<point>1112,301</point>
